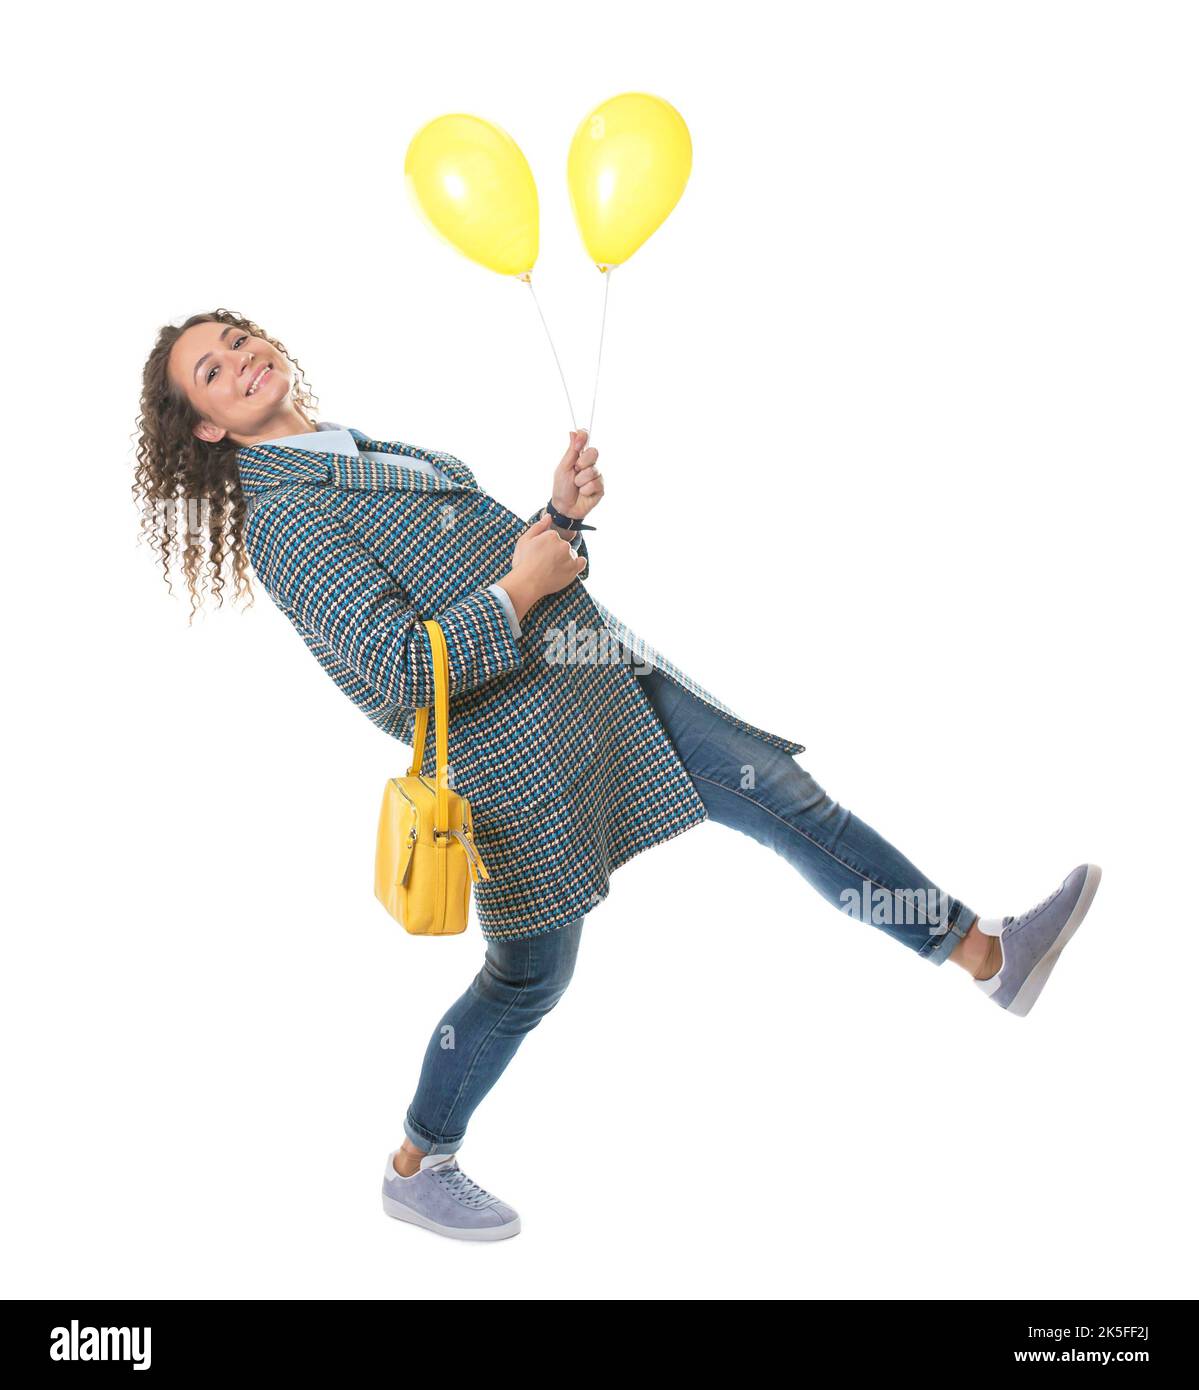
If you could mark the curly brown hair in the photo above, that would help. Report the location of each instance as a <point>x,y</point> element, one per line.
<point>178,473</point>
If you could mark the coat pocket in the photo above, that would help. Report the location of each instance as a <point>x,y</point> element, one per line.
<point>512,759</point>
<point>515,769</point>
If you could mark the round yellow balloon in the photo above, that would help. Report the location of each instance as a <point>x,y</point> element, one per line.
<point>474,187</point>
<point>629,162</point>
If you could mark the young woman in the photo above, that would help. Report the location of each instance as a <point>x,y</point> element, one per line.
<point>578,745</point>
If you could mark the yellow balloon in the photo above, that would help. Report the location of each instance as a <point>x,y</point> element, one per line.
<point>628,165</point>
<point>474,187</point>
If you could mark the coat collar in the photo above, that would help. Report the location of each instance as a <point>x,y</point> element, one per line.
<point>263,467</point>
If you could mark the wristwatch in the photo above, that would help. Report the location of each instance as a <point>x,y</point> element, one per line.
<point>567,522</point>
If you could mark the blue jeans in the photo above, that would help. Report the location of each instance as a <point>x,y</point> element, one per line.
<point>744,783</point>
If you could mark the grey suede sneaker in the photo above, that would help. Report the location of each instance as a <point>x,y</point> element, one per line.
<point>1032,942</point>
<point>440,1197</point>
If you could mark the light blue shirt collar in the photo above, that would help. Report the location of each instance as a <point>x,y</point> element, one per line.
<point>336,439</point>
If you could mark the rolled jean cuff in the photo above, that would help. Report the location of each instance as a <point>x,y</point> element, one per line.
<point>942,945</point>
<point>424,1140</point>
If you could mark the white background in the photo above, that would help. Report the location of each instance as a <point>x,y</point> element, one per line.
<point>913,362</point>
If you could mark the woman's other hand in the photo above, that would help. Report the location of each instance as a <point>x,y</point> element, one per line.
<point>578,484</point>
<point>542,563</point>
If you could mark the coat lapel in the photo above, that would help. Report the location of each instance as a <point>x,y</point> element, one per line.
<point>464,479</point>
<point>266,466</point>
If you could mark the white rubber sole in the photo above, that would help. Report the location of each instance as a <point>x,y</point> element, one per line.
<point>414,1218</point>
<point>1027,994</point>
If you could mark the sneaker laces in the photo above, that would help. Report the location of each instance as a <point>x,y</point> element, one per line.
<point>1032,911</point>
<point>459,1186</point>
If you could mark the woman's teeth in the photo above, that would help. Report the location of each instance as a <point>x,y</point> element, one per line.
<point>262,377</point>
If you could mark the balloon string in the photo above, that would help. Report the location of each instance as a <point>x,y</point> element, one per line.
<point>528,279</point>
<point>599,355</point>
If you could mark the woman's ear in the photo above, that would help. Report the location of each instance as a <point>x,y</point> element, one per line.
<point>208,432</point>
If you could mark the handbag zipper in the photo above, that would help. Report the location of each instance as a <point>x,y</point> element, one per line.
<point>415,811</point>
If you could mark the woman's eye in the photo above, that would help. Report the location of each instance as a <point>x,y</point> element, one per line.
<point>237,342</point>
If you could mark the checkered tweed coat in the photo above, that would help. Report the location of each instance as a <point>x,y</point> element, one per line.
<point>568,770</point>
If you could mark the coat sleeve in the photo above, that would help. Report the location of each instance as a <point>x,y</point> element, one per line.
<point>580,548</point>
<point>326,581</point>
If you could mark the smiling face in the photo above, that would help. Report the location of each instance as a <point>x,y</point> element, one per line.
<point>238,384</point>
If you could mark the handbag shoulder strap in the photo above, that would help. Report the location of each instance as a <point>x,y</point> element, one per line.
<point>441,704</point>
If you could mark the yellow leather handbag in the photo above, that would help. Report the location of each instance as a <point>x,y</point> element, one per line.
<point>425,853</point>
